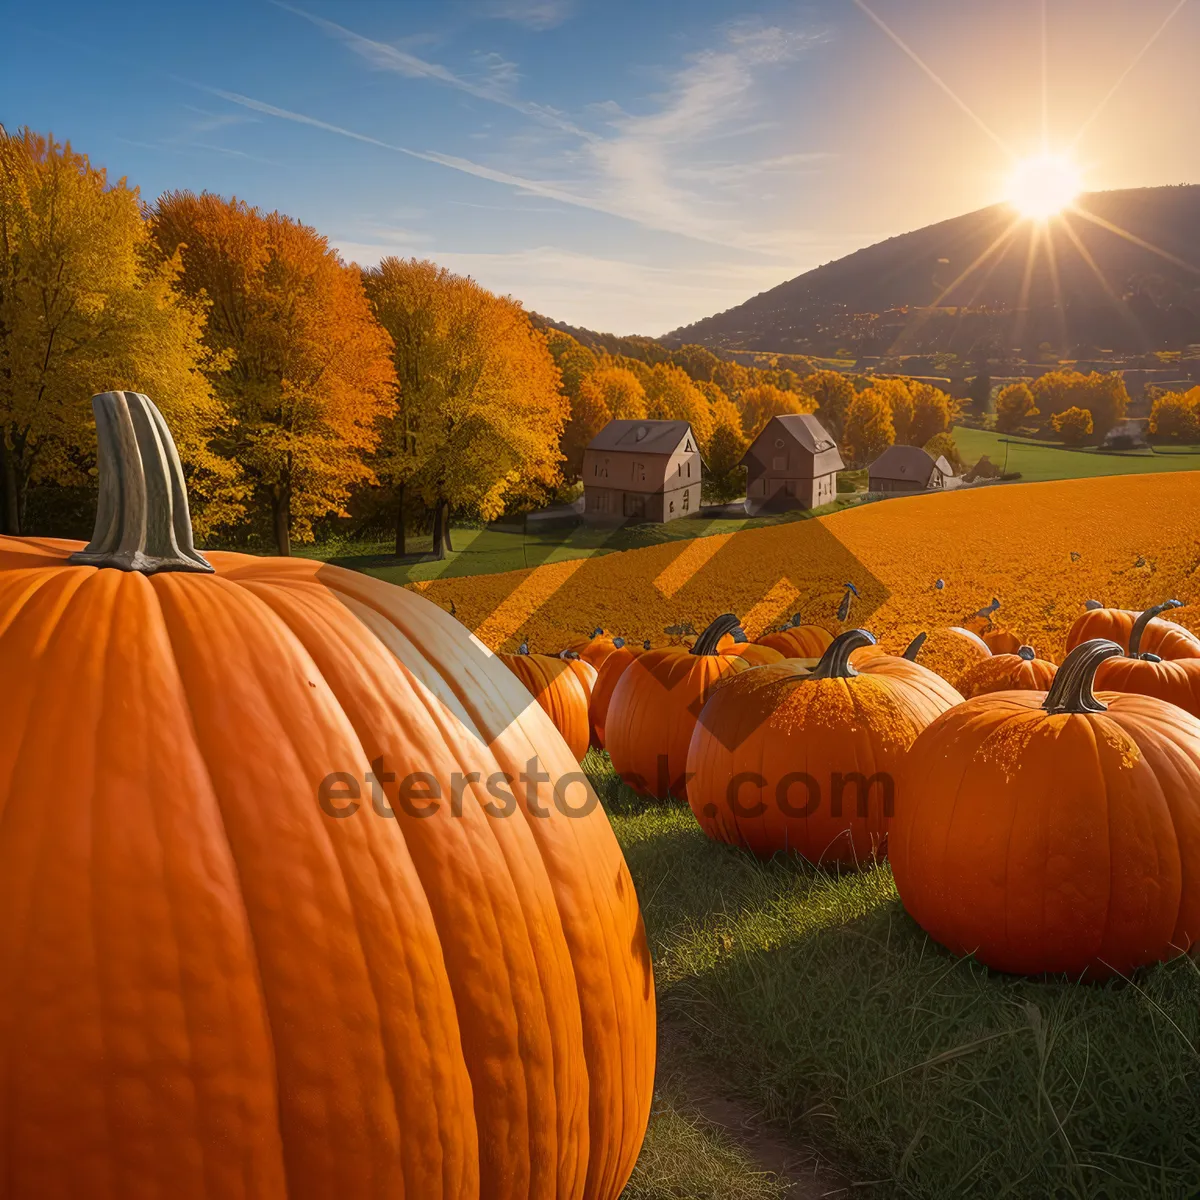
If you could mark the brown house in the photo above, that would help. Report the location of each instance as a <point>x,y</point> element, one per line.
<point>793,463</point>
<point>641,471</point>
<point>909,469</point>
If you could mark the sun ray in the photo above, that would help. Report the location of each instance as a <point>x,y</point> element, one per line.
<point>1045,83</point>
<point>1060,306</point>
<point>1137,58</point>
<point>1118,302</point>
<point>1035,231</point>
<point>935,77</point>
<point>1137,241</point>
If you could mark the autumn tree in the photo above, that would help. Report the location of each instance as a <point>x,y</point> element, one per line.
<point>725,480</point>
<point>1102,394</point>
<point>869,430</point>
<point>86,305</point>
<point>672,396</point>
<point>1072,425</point>
<point>933,413</point>
<point>832,393</point>
<point>481,397</point>
<point>1175,417</point>
<point>309,371</point>
<point>607,394</point>
<point>759,404</point>
<point>1015,404</point>
<point>943,445</point>
<point>900,400</point>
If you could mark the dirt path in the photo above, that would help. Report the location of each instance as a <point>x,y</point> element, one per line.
<point>808,1175</point>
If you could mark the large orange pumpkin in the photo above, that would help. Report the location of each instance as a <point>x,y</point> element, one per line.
<point>240,959</point>
<point>1002,641</point>
<point>950,651</point>
<point>755,653</point>
<point>798,640</point>
<point>654,707</point>
<point>606,681</point>
<point>584,671</point>
<point>1054,831</point>
<point>1167,639</point>
<point>1022,671</point>
<point>1176,680</point>
<point>554,683</point>
<point>784,759</point>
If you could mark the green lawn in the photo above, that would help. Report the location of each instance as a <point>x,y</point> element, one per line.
<point>818,1005</point>
<point>1040,461</point>
<point>490,549</point>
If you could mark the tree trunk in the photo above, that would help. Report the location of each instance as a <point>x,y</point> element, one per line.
<point>401,540</point>
<point>10,492</point>
<point>282,512</point>
<point>441,530</point>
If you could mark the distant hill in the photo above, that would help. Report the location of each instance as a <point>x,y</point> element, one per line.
<point>1128,298</point>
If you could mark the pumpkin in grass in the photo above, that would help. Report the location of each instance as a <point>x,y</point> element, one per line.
<point>1165,638</point>
<point>606,681</point>
<point>654,707</point>
<point>1023,672</point>
<point>557,687</point>
<point>1176,680</point>
<point>798,640</point>
<point>786,759</point>
<point>596,648</point>
<point>1002,641</point>
<point>1057,831</point>
<point>212,987</point>
<point>951,651</point>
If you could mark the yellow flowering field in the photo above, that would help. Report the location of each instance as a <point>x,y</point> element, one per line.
<point>1040,549</point>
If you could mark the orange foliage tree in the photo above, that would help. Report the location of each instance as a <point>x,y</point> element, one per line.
<point>672,396</point>
<point>481,413</point>
<point>1103,395</point>
<point>1176,416</point>
<point>760,404</point>
<point>869,429</point>
<point>832,392</point>
<point>607,394</point>
<point>310,371</point>
<point>1072,425</point>
<point>1015,404</point>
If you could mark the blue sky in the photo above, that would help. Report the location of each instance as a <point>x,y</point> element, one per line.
<point>625,166</point>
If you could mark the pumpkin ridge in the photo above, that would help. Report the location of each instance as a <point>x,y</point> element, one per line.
<point>611,919</point>
<point>307,592</point>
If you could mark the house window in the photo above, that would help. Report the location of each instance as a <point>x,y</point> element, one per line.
<point>687,498</point>
<point>637,472</point>
<point>689,470</point>
<point>779,462</point>
<point>679,468</point>
<point>672,505</point>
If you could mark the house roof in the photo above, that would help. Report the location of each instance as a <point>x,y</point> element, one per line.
<point>644,437</point>
<point>908,464</point>
<point>805,431</point>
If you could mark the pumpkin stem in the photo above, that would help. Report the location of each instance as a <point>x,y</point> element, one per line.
<point>142,518</point>
<point>1139,626</point>
<point>710,639</point>
<point>1071,691</point>
<point>597,632</point>
<point>1027,653</point>
<point>914,647</point>
<point>618,642</point>
<point>835,662</point>
<point>1092,605</point>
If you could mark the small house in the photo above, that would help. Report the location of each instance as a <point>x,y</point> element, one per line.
<point>909,469</point>
<point>642,471</point>
<point>793,463</point>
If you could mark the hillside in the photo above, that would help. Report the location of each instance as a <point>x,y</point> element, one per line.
<point>1127,298</point>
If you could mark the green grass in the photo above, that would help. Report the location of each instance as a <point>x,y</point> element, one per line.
<point>489,550</point>
<point>1041,461</point>
<point>817,1002</point>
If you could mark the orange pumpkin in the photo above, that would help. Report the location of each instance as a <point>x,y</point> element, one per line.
<point>1167,639</point>
<point>239,958</point>
<point>784,759</point>
<point>557,687</point>
<point>755,654</point>
<point>1175,680</point>
<point>1002,641</point>
<point>1022,671</point>
<point>584,671</point>
<point>798,640</point>
<point>654,707</point>
<point>596,648</point>
<point>950,651</point>
<point>1054,831</point>
<point>606,681</point>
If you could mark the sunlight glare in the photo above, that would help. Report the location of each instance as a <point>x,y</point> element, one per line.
<point>1044,185</point>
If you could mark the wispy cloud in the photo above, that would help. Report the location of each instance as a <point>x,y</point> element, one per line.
<point>533,14</point>
<point>494,86</point>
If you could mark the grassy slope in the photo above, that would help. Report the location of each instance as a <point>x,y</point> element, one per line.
<point>1041,461</point>
<point>817,1001</point>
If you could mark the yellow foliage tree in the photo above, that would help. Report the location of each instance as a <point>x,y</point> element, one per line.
<point>869,429</point>
<point>1072,425</point>
<point>760,404</point>
<point>1176,416</point>
<point>933,413</point>
<point>310,371</point>
<point>724,479</point>
<point>832,392</point>
<point>1103,395</point>
<point>672,396</point>
<point>607,394</point>
<point>481,400</point>
<point>86,306</point>
<point>1014,405</point>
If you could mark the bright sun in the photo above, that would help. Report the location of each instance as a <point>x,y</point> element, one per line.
<point>1043,186</point>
